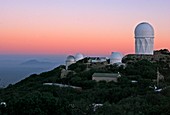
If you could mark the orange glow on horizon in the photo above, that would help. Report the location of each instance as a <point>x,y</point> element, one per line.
<point>78,26</point>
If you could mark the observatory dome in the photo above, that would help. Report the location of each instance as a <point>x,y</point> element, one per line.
<point>70,58</point>
<point>116,57</point>
<point>79,56</point>
<point>144,29</point>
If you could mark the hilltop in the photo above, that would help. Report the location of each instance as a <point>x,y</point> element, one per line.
<point>162,55</point>
<point>123,97</point>
<point>161,59</point>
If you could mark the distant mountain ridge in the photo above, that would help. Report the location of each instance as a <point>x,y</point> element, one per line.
<point>36,62</point>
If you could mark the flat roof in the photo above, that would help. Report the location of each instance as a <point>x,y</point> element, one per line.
<point>105,75</point>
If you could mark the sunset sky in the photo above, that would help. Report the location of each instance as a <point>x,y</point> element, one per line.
<point>91,27</point>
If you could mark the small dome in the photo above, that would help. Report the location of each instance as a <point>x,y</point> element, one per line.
<point>70,58</point>
<point>144,29</point>
<point>79,56</point>
<point>116,55</point>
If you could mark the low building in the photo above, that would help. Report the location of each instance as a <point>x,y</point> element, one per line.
<point>106,76</point>
<point>64,73</point>
<point>63,85</point>
<point>97,59</point>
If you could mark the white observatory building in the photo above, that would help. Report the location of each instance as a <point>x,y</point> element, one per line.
<point>70,60</point>
<point>144,38</point>
<point>116,57</point>
<point>79,56</point>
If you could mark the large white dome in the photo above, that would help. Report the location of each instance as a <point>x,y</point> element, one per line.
<point>70,58</point>
<point>144,29</point>
<point>79,56</point>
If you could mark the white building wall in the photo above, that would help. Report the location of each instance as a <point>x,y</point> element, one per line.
<point>107,79</point>
<point>68,63</point>
<point>144,45</point>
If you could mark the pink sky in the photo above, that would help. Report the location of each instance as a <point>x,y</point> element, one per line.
<point>86,26</point>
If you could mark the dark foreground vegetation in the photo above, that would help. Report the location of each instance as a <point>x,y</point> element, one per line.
<point>31,97</point>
